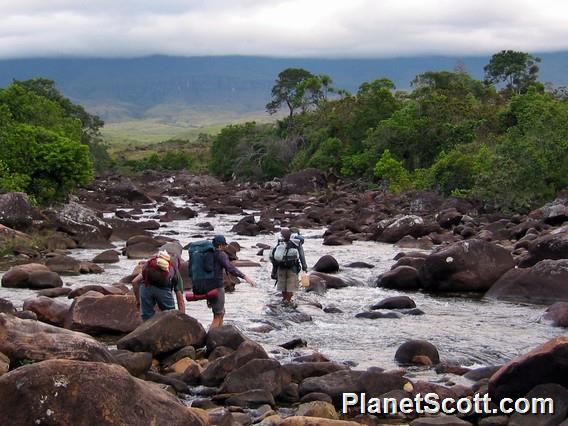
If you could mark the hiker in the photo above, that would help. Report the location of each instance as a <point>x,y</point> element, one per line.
<point>208,263</point>
<point>160,275</point>
<point>288,259</point>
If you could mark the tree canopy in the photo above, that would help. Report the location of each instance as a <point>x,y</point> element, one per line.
<point>518,70</point>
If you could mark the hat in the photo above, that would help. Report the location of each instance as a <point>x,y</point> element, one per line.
<point>286,233</point>
<point>163,260</point>
<point>297,239</point>
<point>218,240</point>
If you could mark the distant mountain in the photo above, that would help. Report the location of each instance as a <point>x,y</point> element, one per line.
<point>123,89</point>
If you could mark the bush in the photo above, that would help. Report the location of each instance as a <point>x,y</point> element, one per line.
<point>393,172</point>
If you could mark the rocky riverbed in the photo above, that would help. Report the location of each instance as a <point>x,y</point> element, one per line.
<point>469,290</point>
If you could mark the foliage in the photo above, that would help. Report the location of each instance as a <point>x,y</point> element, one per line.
<point>392,171</point>
<point>518,70</point>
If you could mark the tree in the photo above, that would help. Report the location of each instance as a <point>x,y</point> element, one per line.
<point>518,70</point>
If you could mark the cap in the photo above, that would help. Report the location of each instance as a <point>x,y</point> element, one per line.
<point>286,233</point>
<point>219,239</point>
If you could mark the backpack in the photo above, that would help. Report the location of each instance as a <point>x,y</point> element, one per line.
<point>152,274</point>
<point>285,254</point>
<point>202,266</point>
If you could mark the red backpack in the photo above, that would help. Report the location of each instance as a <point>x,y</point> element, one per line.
<point>152,274</point>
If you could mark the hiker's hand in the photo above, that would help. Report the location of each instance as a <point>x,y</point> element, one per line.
<point>250,281</point>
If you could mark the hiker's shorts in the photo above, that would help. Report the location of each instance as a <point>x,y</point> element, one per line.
<point>287,280</point>
<point>150,296</point>
<point>217,304</point>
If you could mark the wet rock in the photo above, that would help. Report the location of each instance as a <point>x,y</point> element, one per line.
<point>80,222</point>
<point>141,250</point>
<point>31,340</point>
<point>494,421</point>
<point>90,268</point>
<point>313,357</point>
<point>185,352</point>
<point>440,421</point>
<point>303,182</point>
<point>102,289</point>
<point>320,281</point>
<point>552,246</point>
<point>300,371</point>
<point>28,315</point>
<point>246,226</point>
<point>314,421</point>
<point>544,283</point>
<point>217,371</point>
<point>553,213</point>
<point>96,313</point>
<point>558,314</point>
<point>226,335</point>
<point>396,302</point>
<point>164,332</point>
<point>408,351</point>
<point>451,368</point>
<point>337,240</point>
<point>6,307</point>
<point>32,275</point>
<point>448,218</point>
<point>28,390</point>
<point>124,229</point>
<point>413,262</point>
<point>63,265</point>
<point>320,409</point>
<point>378,315</point>
<point>481,373</point>
<point>265,374</point>
<point>108,256</point>
<point>252,398</point>
<point>402,226</point>
<point>54,292</point>
<point>471,266</point>
<point>544,364</point>
<point>316,396</point>
<point>219,352</point>
<point>47,310</point>
<point>207,226</point>
<point>422,243</point>
<point>558,394</point>
<point>400,278</point>
<point>326,264</point>
<point>17,212</point>
<point>137,363</point>
<point>294,343</point>
<point>128,191</point>
<point>363,265</point>
<point>177,384</point>
<point>332,310</point>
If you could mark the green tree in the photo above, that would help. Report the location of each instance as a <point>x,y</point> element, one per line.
<point>285,90</point>
<point>392,171</point>
<point>518,70</point>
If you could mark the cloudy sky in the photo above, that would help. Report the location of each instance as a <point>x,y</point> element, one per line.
<point>306,28</point>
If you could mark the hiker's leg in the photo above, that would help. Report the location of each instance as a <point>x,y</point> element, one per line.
<point>217,321</point>
<point>218,308</point>
<point>281,283</point>
<point>147,302</point>
<point>164,298</point>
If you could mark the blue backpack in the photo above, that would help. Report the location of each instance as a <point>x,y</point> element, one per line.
<point>202,266</point>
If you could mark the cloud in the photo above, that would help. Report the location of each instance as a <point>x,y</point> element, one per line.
<point>310,28</point>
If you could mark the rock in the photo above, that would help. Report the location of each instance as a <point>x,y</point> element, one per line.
<point>558,314</point>
<point>137,363</point>
<point>440,421</point>
<point>360,265</point>
<point>377,315</point>
<point>553,213</point>
<point>63,265</point>
<point>544,283</point>
<point>80,222</point>
<point>17,212</point>
<point>124,229</point>
<point>62,391</point>
<point>59,241</point>
<point>553,246</point>
<point>482,373</point>
<point>107,256</point>
<point>326,264</point>
<point>320,409</point>
<point>252,398</point>
<point>320,282</point>
<point>6,307</point>
<point>246,226</point>
<point>313,357</point>
<point>544,364</point>
<point>407,352</point>
<point>396,302</point>
<point>402,226</point>
<point>300,371</point>
<point>558,394</point>
<point>4,364</point>
<point>126,190</point>
<point>294,343</point>
<point>314,421</point>
<point>448,218</point>
<point>22,339</point>
<point>400,278</point>
<point>422,243</point>
<point>165,332</point>
<point>54,292</point>
<point>471,266</point>
<point>337,240</point>
<point>226,335</point>
<point>218,352</point>
<point>17,241</point>
<point>141,250</point>
<point>31,275</point>
<point>185,352</point>
<point>96,313</point>
<point>97,288</point>
<point>413,262</point>
<point>47,310</point>
<point>265,374</point>
<point>303,182</point>
<point>316,396</point>
<point>217,371</point>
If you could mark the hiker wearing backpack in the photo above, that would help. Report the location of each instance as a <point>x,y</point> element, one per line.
<point>288,259</point>
<point>208,263</point>
<point>159,277</point>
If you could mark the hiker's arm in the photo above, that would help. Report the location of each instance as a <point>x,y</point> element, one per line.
<point>303,258</point>
<point>180,301</point>
<point>232,269</point>
<point>136,288</point>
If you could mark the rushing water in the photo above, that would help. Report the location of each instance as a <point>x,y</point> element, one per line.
<point>472,332</point>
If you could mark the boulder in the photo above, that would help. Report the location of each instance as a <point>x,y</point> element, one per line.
<point>217,370</point>
<point>246,226</point>
<point>440,421</point>
<point>544,364</point>
<point>59,241</point>
<point>54,292</point>
<point>319,282</point>
<point>314,421</point>
<point>558,314</point>
<point>363,265</point>
<point>300,371</point>
<point>137,363</point>
<point>95,313</point>
<point>47,310</point>
<point>128,191</point>
<point>141,250</point>
<point>252,398</point>
<point>17,212</point>
<point>102,289</point>
<point>63,265</point>
<point>226,335</point>
<point>62,392</point>
<point>326,264</point>
<point>402,226</point>
<point>378,315</point>
<point>16,240</point>
<point>320,409</point>
<point>303,182</point>
<point>80,222</point>
<point>552,246</point>
<point>408,352</point>
<point>265,374</point>
<point>553,213</point>
<point>448,218</point>
<point>400,278</point>
<point>124,229</point>
<point>544,283</point>
<point>22,339</point>
<point>107,256</point>
<point>558,394</point>
<point>165,332</point>
<point>6,307</point>
<point>396,302</point>
<point>31,275</point>
<point>468,266</point>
